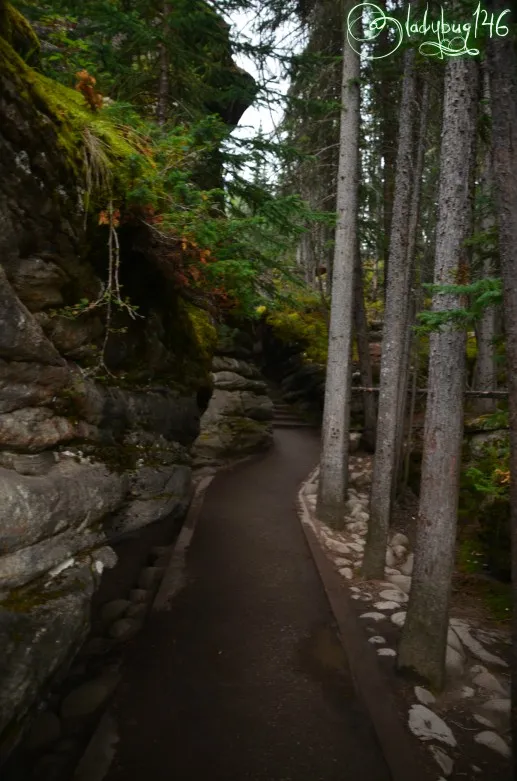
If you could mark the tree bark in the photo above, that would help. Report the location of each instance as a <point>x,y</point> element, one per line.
<point>162,108</point>
<point>503,90</point>
<point>336,415</point>
<point>423,642</point>
<point>363,350</point>
<point>485,374</point>
<point>412,307</point>
<point>394,334</point>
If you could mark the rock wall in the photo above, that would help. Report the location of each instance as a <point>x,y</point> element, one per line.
<point>89,450</point>
<point>238,419</point>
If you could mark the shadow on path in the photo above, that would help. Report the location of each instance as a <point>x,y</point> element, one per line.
<point>243,677</point>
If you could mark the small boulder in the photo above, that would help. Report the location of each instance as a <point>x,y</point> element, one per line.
<point>495,742</point>
<point>111,611</point>
<point>488,682</point>
<point>426,725</point>
<point>45,730</point>
<point>407,567</point>
<point>444,760</point>
<point>424,696</point>
<point>374,616</point>
<point>402,581</point>
<point>394,595</point>
<point>124,629</point>
<point>88,697</point>
<point>150,577</point>
<point>454,662</point>
<point>399,619</point>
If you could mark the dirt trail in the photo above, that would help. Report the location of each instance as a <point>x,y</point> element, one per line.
<point>243,677</point>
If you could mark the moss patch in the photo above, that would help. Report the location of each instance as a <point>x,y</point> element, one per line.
<point>17,31</point>
<point>25,600</point>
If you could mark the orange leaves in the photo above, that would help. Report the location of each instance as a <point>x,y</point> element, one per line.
<point>502,476</point>
<point>106,219</point>
<point>86,86</point>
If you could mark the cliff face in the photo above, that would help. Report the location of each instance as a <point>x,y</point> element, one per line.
<point>85,455</point>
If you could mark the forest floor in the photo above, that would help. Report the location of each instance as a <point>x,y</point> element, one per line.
<point>465,729</point>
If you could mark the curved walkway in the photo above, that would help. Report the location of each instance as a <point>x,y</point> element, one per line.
<point>244,678</point>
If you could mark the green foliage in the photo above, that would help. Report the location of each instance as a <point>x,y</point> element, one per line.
<point>19,33</point>
<point>300,320</point>
<point>481,294</point>
<point>120,43</point>
<point>484,504</point>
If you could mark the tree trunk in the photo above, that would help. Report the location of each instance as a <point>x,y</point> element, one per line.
<point>394,333</point>
<point>363,350</point>
<point>485,374</point>
<point>336,414</point>
<point>162,108</point>
<point>503,89</point>
<point>412,307</point>
<point>424,636</point>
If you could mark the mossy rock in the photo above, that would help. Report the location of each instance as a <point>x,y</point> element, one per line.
<point>77,127</point>
<point>17,31</point>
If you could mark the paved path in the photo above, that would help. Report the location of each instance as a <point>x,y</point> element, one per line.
<point>244,679</point>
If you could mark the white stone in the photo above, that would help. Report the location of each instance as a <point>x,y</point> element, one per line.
<point>474,646</point>
<point>424,696</point>
<point>494,741</point>
<point>342,562</point>
<point>467,691</point>
<point>489,682</point>
<point>498,705</point>
<point>488,637</point>
<point>337,547</point>
<point>399,619</point>
<point>390,558</point>
<point>443,759</point>
<point>402,581</point>
<point>346,572</point>
<point>386,652</point>
<point>426,725</point>
<point>399,551</point>
<point>391,571</point>
<point>483,721</point>
<point>355,546</point>
<point>374,616</point>
<point>357,527</point>
<point>407,567</point>
<point>355,588</point>
<point>356,596</point>
<point>376,640</point>
<point>53,573</point>
<point>394,595</point>
<point>454,662</point>
<point>363,517</point>
<point>400,539</point>
<point>454,641</point>
<point>358,508</point>
<point>386,605</point>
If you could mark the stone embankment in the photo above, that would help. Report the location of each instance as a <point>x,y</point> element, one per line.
<point>466,728</point>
